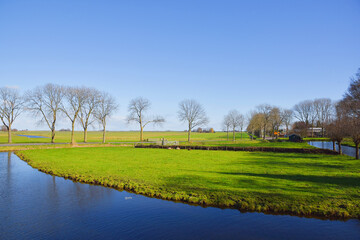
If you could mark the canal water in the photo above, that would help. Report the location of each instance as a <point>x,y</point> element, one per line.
<point>350,151</point>
<point>31,136</point>
<point>35,205</point>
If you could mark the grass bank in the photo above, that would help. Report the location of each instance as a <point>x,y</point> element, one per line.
<point>246,142</point>
<point>289,183</point>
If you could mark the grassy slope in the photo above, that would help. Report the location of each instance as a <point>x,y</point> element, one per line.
<point>301,184</point>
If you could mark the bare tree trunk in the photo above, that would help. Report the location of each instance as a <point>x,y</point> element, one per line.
<point>340,150</point>
<point>9,134</point>
<point>189,133</point>
<point>227,137</point>
<point>334,145</point>
<point>241,133</point>
<point>72,132</point>
<point>141,133</point>
<point>264,133</point>
<point>85,135</point>
<point>233,134</point>
<point>104,133</point>
<point>52,135</point>
<point>357,150</point>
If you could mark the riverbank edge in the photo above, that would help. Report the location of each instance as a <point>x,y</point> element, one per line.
<point>194,199</point>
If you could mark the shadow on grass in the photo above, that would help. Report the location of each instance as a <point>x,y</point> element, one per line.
<point>341,181</point>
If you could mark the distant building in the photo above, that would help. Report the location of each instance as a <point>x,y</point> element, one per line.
<point>314,131</point>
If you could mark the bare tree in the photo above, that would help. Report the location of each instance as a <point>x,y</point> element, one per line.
<point>235,119</point>
<point>350,106</point>
<point>305,112</point>
<point>11,105</point>
<point>75,98</point>
<point>241,120</point>
<point>137,110</point>
<point>338,129</point>
<point>323,108</point>
<point>275,120</point>
<point>265,110</point>
<point>287,118</point>
<point>336,133</point>
<point>86,115</point>
<point>106,106</point>
<point>45,102</point>
<point>193,114</point>
<point>255,123</point>
<point>226,126</point>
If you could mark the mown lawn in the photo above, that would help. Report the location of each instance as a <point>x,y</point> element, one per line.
<point>303,184</point>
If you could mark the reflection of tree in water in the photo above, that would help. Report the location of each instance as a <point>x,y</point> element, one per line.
<point>9,168</point>
<point>85,193</point>
<point>74,192</point>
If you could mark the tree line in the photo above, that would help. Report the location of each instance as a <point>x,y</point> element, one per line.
<point>336,120</point>
<point>85,106</point>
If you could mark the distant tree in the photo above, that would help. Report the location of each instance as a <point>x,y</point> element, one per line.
<point>241,124</point>
<point>287,119</point>
<point>305,112</point>
<point>11,105</point>
<point>226,126</point>
<point>302,111</point>
<point>265,110</point>
<point>211,130</point>
<point>86,114</point>
<point>338,129</point>
<point>45,102</point>
<point>137,113</point>
<point>75,98</point>
<point>255,120</point>
<point>236,120</point>
<point>105,107</point>
<point>193,114</point>
<point>323,108</point>
<point>199,130</point>
<point>275,120</point>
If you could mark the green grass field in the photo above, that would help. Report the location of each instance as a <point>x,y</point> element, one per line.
<point>96,136</point>
<point>202,139</point>
<point>302,184</point>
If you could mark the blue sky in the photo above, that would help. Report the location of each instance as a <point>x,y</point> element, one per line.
<point>225,54</point>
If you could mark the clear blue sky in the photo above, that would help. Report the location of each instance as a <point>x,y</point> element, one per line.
<point>225,54</point>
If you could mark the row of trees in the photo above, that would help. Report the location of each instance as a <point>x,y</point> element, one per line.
<point>267,120</point>
<point>337,120</point>
<point>85,106</point>
<point>82,104</point>
<point>233,121</point>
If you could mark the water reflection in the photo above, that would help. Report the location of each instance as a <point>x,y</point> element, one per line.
<point>350,151</point>
<point>34,205</point>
